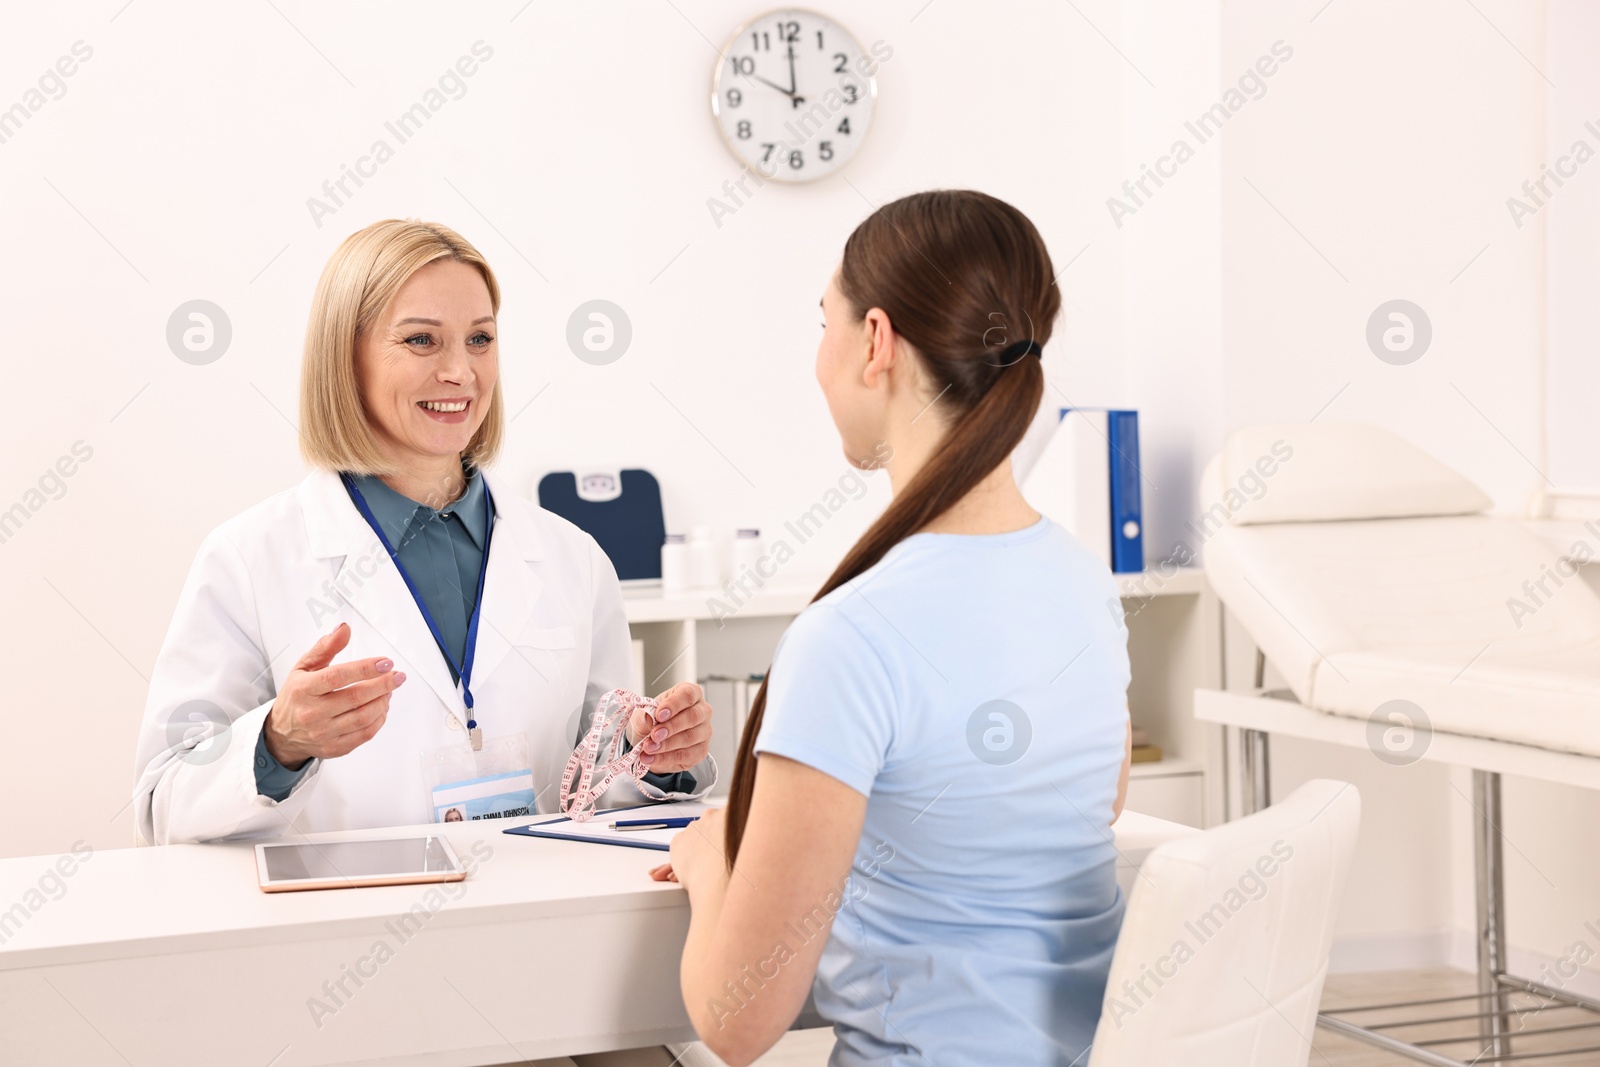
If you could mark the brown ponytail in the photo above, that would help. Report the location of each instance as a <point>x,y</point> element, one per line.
<point>962,277</point>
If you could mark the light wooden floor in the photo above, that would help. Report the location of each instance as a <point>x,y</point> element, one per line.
<point>811,1048</point>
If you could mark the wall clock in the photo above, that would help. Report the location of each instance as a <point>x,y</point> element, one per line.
<point>793,94</point>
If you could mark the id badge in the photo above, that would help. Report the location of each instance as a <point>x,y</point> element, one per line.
<point>491,783</point>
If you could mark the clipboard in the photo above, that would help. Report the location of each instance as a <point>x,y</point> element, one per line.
<point>598,830</point>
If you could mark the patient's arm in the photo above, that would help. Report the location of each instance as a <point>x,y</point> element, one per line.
<point>771,917</point>
<point>1122,777</point>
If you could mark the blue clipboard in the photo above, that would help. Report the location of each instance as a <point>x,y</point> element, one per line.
<point>598,831</point>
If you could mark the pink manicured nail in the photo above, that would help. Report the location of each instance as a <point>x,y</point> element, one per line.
<point>660,735</point>
<point>399,677</point>
<point>384,664</point>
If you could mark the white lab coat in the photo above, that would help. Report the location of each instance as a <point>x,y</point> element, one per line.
<point>266,584</point>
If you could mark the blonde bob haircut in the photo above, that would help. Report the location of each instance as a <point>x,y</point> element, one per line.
<point>360,280</point>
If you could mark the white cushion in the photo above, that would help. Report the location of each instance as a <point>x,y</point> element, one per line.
<point>1310,472</point>
<point>1254,903</point>
<point>1437,611</point>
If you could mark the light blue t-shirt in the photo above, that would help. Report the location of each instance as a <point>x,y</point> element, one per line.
<point>973,687</point>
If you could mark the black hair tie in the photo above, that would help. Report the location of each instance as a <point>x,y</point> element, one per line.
<point>1019,351</point>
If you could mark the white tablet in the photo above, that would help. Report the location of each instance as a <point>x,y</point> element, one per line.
<point>342,864</point>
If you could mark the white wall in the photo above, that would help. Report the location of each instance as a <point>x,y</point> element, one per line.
<point>1172,264</point>
<point>1389,143</point>
<point>1554,878</point>
<point>1570,209</point>
<point>177,166</point>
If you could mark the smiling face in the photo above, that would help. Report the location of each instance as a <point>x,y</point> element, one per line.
<point>427,368</point>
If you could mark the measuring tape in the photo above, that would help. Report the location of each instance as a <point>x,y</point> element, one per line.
<point>614,709</point>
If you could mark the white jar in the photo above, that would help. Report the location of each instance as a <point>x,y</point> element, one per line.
<point>704,571</point>
<point>747,554</point>
<point>674,564</point>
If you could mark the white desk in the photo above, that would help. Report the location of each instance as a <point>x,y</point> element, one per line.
<point>173,956</point>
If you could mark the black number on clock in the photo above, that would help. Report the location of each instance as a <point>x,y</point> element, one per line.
<point>735,98</point>
<point>841,59</point>
<point>744,129</point>
<point>819,40</point>
<point>849,92</point>
<point>759,41</point>
<point>796,160</point>
<point>844,126</point>
<point>788,32</point>
<point>743,64</point>
<point>767,155</point>
<point>825,150</point>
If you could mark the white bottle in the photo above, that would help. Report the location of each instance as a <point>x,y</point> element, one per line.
<point>747,553</point>
<point>674,564</point>
<point>704,571</point>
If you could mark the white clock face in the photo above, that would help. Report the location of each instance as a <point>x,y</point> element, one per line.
<point>793,95</point>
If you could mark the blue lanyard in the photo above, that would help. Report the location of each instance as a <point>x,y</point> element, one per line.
<point>463,669</point>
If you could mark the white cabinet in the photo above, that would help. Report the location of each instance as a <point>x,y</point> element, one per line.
<point>1174,644</point>
<point>1171,789</point>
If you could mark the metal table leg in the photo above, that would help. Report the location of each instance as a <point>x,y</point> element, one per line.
<point>1254,765</point>
<point>1495,1025</point>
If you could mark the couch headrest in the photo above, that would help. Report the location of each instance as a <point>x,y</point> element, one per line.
<point>1321,471</point>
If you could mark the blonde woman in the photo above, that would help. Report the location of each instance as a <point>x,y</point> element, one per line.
<point>401,634</point>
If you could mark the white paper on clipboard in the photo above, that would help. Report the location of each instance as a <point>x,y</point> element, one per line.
<point>598,830</point>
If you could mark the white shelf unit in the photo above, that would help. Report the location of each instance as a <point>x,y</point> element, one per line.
<point>1174,645</point>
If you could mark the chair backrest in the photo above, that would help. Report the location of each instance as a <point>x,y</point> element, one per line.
<point>1224,947</point>
<point>1136,837</point>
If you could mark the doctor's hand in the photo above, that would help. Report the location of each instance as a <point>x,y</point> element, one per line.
<point>326,709</point>
<point>681,736</point>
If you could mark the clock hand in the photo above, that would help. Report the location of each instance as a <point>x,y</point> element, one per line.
<point>794,98</point>
<point>775,85</point>
<point>798,100</point>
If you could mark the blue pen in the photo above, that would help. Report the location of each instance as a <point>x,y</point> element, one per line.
<point>654,824</point>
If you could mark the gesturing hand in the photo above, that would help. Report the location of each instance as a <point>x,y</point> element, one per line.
<point>326,709</point>
<point>681,735</point>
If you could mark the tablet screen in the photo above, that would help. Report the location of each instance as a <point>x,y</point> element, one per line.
<point>337,860</point>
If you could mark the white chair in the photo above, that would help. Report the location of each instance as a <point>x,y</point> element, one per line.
<point>1225,943</point>
<point>1136,837</point>
<point>1407,620</point>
